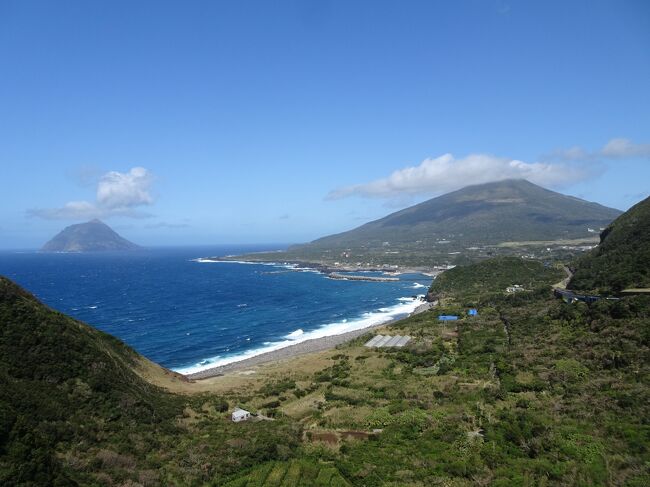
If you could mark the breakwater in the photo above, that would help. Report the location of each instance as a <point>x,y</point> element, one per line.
<point>346,277</point>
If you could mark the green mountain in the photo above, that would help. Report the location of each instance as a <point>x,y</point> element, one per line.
<point>503,211</point>
<point>92,236</point>
<point>622,260</point>
<point>76,410</point>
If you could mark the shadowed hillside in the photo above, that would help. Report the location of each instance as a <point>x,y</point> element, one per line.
<point>73,411</point>
<point>622,260</point>
<point>63,382</point>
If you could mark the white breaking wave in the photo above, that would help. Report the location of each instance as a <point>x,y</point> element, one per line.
<point>205,260</point>
<point>281,265</point>
<point>417,285</point>
<point>295,334</point>
<point>365,320</point>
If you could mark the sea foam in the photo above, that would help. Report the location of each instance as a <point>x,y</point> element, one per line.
<point>295,334</point>
<point>404,307</point>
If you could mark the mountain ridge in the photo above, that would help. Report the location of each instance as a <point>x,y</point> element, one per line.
<point>482,213</point>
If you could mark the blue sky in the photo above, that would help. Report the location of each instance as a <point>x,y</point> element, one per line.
<point>242,122</point>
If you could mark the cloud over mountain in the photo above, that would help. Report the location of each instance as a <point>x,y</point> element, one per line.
<point>447,173</point>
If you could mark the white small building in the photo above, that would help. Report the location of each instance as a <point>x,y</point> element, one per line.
<point>240,415</point>
<point>514,289</point>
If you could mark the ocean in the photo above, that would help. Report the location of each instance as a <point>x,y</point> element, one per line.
<point>189,314</point>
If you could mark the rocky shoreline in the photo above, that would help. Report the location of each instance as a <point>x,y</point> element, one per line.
<point>328,269</point>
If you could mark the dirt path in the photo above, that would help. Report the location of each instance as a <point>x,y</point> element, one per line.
<point>564,282</point>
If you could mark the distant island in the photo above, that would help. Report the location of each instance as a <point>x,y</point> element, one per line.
<point>92,236</point>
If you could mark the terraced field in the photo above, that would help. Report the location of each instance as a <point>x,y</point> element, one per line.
<point>294,473</point>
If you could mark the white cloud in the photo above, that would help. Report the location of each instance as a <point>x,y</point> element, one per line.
<point>124,190</point>
<point>624,148</point>
<point>620,148</point>
<point>574,153</point>
<point>118,194</point>
<point>446,173</point>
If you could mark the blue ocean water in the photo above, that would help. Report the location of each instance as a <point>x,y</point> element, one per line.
<point>189,315</point>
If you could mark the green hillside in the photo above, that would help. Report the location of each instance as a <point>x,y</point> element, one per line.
<point>63,382</point>
<point>532,391</point>
<point>74,412</point>
<point>494,275</point>
<point>622,260</point>
<point>296,473</point>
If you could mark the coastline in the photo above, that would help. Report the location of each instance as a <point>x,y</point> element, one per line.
<point>319,343</point>
<point>325,268</point>
<point>302,348</point>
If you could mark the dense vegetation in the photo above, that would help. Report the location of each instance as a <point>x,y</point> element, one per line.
<point>465,283</point>
<point>295,473</point>
<point>74,412</point>
<point>532,391</point>
<point>622,260</point>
